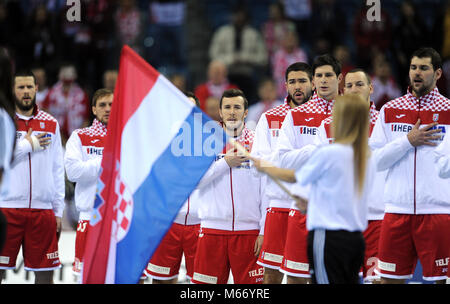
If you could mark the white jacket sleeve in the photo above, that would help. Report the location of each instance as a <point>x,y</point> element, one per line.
<point>286,156</point>
<point>78,169</point>
<point>261,147</point>
<point>218,168</point>
<point>264,204</point>
<point>442,158</point>
<point>386,153</point>
<point>58,174</point>
<point>321,138</point>
<point>23,147</point>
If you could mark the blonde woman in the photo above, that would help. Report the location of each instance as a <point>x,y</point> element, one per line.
<point>337,176</point>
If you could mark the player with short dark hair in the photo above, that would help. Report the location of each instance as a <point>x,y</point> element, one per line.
<point>299,88</point>
<point>83,157</point>
<point>416,222</point>
<point>34,204</point>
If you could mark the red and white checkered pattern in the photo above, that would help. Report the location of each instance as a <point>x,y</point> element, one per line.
<point>41,115</point>
<point>246,138</point>
<point>316,105</point>
<point>433,101</point>
<point>96,129</point>
<point>373,116</point>
<point>280,110</point>
<point>123,209</point>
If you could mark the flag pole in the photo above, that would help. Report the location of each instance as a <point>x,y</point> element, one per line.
<point>244,151</point>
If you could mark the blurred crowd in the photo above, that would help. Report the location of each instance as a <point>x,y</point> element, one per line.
<point>249,44</point>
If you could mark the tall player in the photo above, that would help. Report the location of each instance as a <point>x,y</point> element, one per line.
<point>232,213</point>
<point>298,130</point>
<point>34,204</point>
<point>417,221</point>
<point>299,87</point>
<point>83,158</point>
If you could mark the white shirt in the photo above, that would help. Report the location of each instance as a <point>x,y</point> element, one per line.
<point>334,203</point>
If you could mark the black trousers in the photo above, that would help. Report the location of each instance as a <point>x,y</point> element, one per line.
<point>335,256</point>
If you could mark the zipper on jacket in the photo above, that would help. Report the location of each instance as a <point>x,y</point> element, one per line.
<point>29,165</point>
<point>415,155</point>
<point>31,187</point>
<point>186,217</point>
<point>415,158</point>
<point>232,198</point>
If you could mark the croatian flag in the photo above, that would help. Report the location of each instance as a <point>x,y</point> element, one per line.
<point>158,147</point>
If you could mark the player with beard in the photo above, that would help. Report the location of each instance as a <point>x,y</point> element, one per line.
<point>34,204</point>
<point>299,87</point>
<point>231,213</point>
<point>299,129</point>
<point>416,224</point>
<point>82,160</point>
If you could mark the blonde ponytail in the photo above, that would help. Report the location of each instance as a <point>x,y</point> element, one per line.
<point>350,125</point>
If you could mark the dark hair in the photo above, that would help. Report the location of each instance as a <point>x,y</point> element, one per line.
<point>24,73</point>
<point>356,70</point>
<point>189,94</point>
<point>326,60</point>
<point>299,66</point>
<point>99,94</point>
<point>427,52</point>
<point>6,82</point>
<point>233,93</point>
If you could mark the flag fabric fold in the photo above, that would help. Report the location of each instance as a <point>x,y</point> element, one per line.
<point>158,147</point>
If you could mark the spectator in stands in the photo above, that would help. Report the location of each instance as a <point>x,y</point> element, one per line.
<point>289,53</point>
<point>385,87</point>
<point>179,81</point>
<point>109,79</point>
<point>42,37</point>
<point>446,74</point>
<point>100,20</point>
<point>268,99</point>
<point>129,25</point>
<point>441,30</point>
<point>68,102</point>
<point>342,54</point>
<point>212,106</point>
<point>274,29</point>
<point>409,33</point>
<point>167,48</point>
<point>371,37</point>
<point>241,47</point>
<point>216,84</point>
<point>327,21</point>
<point>299,12</point>
<point>41,80</point>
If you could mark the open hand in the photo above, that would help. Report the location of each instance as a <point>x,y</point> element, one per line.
<point>423,136</point>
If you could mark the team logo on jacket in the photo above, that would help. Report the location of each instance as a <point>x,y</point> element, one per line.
<point>397,127</point>
<point>308,130</point>
<point>435,117</point>
<point>94,150</point>
<point>42,124</point>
